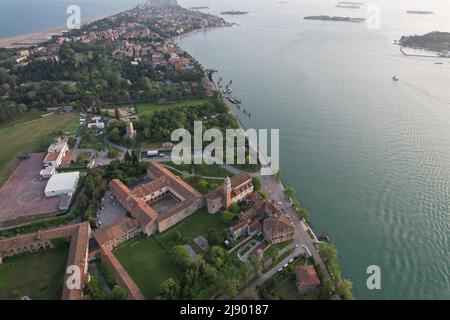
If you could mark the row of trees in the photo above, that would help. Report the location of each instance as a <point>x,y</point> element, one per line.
<point>160,126</point>
<point>11,110</point>
<point>342,287</point>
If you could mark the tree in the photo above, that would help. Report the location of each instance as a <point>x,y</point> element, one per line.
<point>145,84</point>
<point>127,157</point>
<point>263,195</point>
<point>231,288</point>
<point>256,183</point>
<point>328,252</point>
<point>169,289</point>
<point>134,158</point>
<point>180,256</point>
<point>118,293</point>
<point>303,213</point>
<point>256,264</point>
<point>344,289</point>
<point>217,256</point>
<point>117,113</point>
<point>228,216</point>
<point>289,192</point>
<point>202,186</point>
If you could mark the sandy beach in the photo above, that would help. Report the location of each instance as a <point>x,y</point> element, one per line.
<point>39,36</point>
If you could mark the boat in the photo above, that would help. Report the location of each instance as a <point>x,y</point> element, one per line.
<point>395,78</point>
<point>234,100</point>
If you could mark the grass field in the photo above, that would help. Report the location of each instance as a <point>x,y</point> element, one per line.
<point>288,290</point>
<point>149,264</point>
<point>39,276</point>
<point>148,109</point>
<point>213,170</point>
<point>197,224</point>
<point>31,137</point>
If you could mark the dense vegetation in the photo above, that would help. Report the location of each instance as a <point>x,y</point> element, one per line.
<point>436,41</point>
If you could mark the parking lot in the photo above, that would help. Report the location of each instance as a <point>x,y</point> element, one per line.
<point>111,210</point>
<point>22,196</point>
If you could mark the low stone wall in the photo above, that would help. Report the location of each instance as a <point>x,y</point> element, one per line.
<point>121,275</point>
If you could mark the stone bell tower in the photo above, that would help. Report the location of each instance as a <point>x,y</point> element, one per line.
<point>227,192</point>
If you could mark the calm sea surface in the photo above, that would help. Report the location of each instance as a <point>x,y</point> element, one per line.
<point>369,157</point>
<point>25,16</point>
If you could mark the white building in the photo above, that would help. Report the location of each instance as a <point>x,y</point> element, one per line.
<point>61,184</point>
<point>56,153</point>
<point>47,172</point>
<point>96,125</point>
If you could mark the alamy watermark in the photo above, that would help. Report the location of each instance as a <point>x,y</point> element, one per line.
<point>74,19</point>
<point>374,280</point>
<point>73,281</point>
<point>231,150</point>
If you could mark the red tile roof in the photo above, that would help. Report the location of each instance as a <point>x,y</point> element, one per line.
<point>51,156</point>
<point>307,276</point>
<point>115,231</point>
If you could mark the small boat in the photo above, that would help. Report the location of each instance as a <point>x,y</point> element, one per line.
<point>395,78</point>
<point>234,100</point>
<point>438,63</point>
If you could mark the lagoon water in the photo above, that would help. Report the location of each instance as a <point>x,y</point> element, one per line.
<point>369,157</point>
<point>19,17</point>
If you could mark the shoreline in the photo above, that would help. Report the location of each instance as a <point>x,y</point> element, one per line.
<point>38,36</point>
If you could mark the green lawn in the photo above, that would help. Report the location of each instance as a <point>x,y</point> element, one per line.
<point>288,290</point>
<point>39,276</point>
<point>147,263</point>
<point>31,137</point>
<point>95,143</point>
<point>196,225</point>
<point>212,170</point>
<point>148,109</point>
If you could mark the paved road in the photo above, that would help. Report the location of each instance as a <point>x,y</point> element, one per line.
<point>275,191</point>
<point>115,146</point>
<point>269,274</point>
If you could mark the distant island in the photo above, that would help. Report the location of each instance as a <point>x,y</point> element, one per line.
<point>419,12</point>
<point>348,6</point>
<point>351,3</point>
<point>433,41</point>
<point>234,12</point>
<point>198,8</point>
<point>331,18</point>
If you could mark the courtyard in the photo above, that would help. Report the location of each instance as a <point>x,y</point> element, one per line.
<point>164,203</point>
<point>148,260</point>
<point>39,276</point>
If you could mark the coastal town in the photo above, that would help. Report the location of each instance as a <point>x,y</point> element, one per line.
<point>87,181</point>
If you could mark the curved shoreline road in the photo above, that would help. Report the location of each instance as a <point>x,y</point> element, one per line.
<point>275,191</point>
